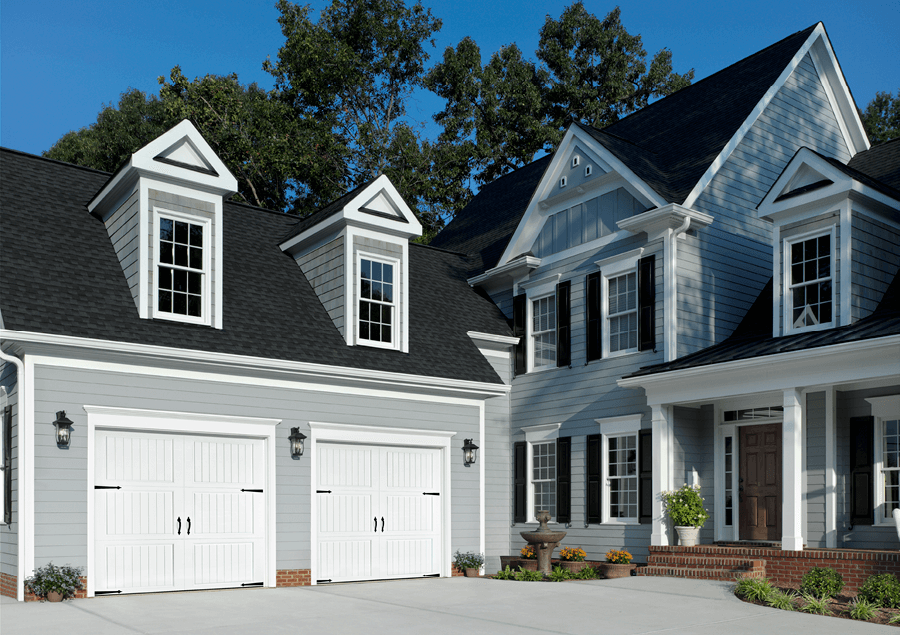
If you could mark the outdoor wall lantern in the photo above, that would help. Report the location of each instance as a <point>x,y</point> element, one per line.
<point>63,429</point>
<point>469,451</point>
<point>296,439</point>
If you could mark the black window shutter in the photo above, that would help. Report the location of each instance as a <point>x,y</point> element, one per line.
<point>520,482</point>
<point>593,479</point>
<point>563,324</point>
<point>7,465</point>
<point>645,485</point>
<point>520,331</point>
<point>594,317</point>
<point>564,480</point>
<point>647,303</point>
<point>862,442</point>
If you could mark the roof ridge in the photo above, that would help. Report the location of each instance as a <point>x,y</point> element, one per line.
<point>31,155</point>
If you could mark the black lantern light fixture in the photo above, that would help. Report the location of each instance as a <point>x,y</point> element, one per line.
<point>63,429</point>
<point>469,451</point>
<point>296,438</point>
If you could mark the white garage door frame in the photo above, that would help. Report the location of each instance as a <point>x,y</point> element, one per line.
<point>135,420</point>
<point>373,435</point>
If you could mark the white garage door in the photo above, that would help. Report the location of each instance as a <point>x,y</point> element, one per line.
<point>378,512</point>
<point>178,512</point>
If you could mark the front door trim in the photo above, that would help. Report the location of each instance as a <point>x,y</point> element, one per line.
<point>743,476</point>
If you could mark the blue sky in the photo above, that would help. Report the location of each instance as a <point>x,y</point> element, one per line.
<point>61,61</point>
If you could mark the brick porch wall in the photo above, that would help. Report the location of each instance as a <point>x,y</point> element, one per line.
<point>8,588</point>
<point>292,577</point>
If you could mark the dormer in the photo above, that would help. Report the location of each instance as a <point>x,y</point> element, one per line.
<point>836,242</point>
<point>355,254</point>
<point>163,211</point>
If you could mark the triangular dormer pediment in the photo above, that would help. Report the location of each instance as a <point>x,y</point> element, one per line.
<point>185,154</point>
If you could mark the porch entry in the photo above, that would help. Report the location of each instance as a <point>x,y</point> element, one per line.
<point>760,476</point>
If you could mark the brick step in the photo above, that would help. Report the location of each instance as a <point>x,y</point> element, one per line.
<point>696,562</point>
<point>698,574</point>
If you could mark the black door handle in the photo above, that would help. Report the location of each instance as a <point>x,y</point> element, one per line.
<point>376,524</point>
<point>179,525</point>
<point>382,524</point>
<point>189,525</point>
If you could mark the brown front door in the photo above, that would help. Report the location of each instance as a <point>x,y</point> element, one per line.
<point>760,482</point>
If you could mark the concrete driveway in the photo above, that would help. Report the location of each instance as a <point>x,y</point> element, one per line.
<point>449,605</point>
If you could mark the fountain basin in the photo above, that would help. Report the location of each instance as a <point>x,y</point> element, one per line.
<point>544,541</point>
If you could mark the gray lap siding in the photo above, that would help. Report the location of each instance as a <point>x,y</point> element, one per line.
<point>9,541</point>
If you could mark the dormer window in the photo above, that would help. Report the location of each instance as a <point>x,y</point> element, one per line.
<point>809,291</point>
<point>182,268</point>
<point>377,301</point>
<point>576,160</point>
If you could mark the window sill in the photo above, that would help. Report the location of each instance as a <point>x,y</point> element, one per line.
<point>620,522</point>
<point>630,351</point>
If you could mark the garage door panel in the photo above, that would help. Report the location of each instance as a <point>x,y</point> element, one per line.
<point>411,513</point>
<point>345,513</point>
<point>218,514</point>
<point>129,460</point>
<point>225,462</point>
<point>410,557</point>
<point>345,466</point>
<point>218,564</point>
<point>130,513</point>
<point>410,469</point>
<point>146,567</point>
<point>346,560</point>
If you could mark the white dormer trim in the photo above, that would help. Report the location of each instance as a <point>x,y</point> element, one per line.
<point>660,222</point>
<point>541,203</point>
<point>822,54</point>
<point>512,270</point>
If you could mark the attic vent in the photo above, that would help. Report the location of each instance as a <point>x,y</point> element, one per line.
<point>576,160</point>
<point>588,169</point>
<point>563,181</point>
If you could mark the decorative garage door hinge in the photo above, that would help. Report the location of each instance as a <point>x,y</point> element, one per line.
<point>321,581</point>
<point>257,491</point>
<point>431,493</point>
<point>107,487</point>
<point>106,592</point>
<point>323,491</point>
<point>252,584</point>
<point>432,575</point>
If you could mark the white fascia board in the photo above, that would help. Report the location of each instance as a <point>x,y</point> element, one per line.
<point>319,234</point>
<point>810,204</point>
<point>145,157</point>
<point>489,340</point>
<point>657,222</point>
<point>512,270</point>
<point>113,192</point>
<point>838,364</point>
<point>738,136</point>
<point>411,228</point>
<point>532,220</point>
<point>53,345</point>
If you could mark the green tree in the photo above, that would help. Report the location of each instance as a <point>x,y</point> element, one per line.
<point>881,119</point>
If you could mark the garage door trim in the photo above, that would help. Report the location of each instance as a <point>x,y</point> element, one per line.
<point>161,421</point>
<point>374,435</point>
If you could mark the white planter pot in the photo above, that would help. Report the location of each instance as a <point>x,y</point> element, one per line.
<point>688,536</point>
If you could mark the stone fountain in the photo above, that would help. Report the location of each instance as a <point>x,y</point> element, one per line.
<point>544,541</point>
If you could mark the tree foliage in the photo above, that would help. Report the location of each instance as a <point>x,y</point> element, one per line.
<point>881,118</point>
<point>500,115</point>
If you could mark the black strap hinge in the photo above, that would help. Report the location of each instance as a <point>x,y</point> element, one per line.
<point>323,491</point>
<point>321,581</point>
<point>252,584</point>
<point>106,592</point>
<point>108,487</point>
<point>258,491</point>
<point>432,575</point>
<point>431,493</point>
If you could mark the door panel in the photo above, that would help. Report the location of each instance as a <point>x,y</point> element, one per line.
<point>760,482</point>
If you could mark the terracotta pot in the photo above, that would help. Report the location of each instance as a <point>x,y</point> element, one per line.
<point>688,536</point>
<point>573,567</point>
<point>610,570</point>
<point>53,596</point>
<point>472,572</point>
<point>528,565</point>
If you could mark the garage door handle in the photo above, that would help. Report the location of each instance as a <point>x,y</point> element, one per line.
<point>189,525</point>
<point>179,525</point>
<point>382,524</point>
<point>376,524</point>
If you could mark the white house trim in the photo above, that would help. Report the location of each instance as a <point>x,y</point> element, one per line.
<point>830,468</point>
<point>846,290</point>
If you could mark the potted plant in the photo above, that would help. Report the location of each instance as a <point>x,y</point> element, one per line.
<point>528,559</point>
<point>469,563</point>
<point>572,558</point>
<point>684,507</point>
<point>618,564</point>
<point>54,583</point>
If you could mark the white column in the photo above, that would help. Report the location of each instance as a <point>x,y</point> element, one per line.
<point>792,463</point>
<point>661,440</point>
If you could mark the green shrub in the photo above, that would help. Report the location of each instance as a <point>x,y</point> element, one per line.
<point>815,605</point>
<point>505,574</point>
<point>882,590</point>
<point>822,582</point>
<point>895,619</point>
<point>862,609</point>
<point>588,573</point>
<point>754,589</point>
<point>63,580</point>
<point>524,575</point>
<point>559,574</point>
<point>780,600</point>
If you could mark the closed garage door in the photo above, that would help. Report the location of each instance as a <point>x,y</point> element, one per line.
<point>178,512</point>
<point>378,512</point>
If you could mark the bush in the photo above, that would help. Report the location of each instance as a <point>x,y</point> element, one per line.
<point>587,573</point>
<point>781,600</point>
<point>49,578</point>
<point>862,609</point>
<point>524,575</point>
<point>822,582</point>
<point>468,560</point>
<point>754,589</point>
<point>815,605</point>
<point>882,590</point>
<point>559,574</point>
<point>505,574</point>
<point>685,506</point>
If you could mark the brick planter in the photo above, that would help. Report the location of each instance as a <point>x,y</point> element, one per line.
<point>573,567</point>
<point>610,570</point>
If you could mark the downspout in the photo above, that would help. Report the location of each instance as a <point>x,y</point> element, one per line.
<point>671,289</point>
<point>23,501</point>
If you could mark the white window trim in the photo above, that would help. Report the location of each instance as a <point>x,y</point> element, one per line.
<point>543,433</point>
<point>4,401</point>
<point>786,287</point>
<point>576,160</point>
<point>617,427</point>
<point>394,344</point>
<point>883,409</point>
<point>588,170</point>
<point>536,290</point>
<point>532,349</point>
<point>563,181</point>
<point>206,318</point>
<point>613,267</point>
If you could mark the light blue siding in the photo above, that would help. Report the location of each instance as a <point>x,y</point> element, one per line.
<point>324,268</point>
<point>875,258</point>
<point>496,454</point>
<point>814,533</point>
<point>123,227</point>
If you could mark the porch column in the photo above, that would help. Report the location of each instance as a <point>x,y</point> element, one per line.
<point>661,442</point>
<point>792,471</point>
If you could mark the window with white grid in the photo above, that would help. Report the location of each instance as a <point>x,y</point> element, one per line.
<point>622,475</point>
<point>182,264</point>
<point>622,319</point>
<point>377,304</point>
<point>890,465</point>
<point>810,282</point>
<point>543,477</point>
<point>543,332</point>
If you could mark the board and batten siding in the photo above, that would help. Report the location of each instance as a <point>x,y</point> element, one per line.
<point>61,476</point>
<point>496,453</point>
<point>814,531</point>
<point>734,258</point>
<point>324,268</point>
<point>9,534</point>
<point>875,257</point>
<point>123,227</point>
<point>191,207</point>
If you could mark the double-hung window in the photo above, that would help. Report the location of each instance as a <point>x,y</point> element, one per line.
<point>809,277</point>
<point>621,469</point>
<point>377,302</point>
<point>620,305</point>
<point>623,312</point>
<point>543,477</point>
<point>886,423</point>
<point>182,268</point>
<point>543,332</point>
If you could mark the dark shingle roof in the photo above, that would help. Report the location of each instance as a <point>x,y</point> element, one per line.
<point>325,213</point>
<point>753,338</point>
<point>881,162</point>
<point>669,144</point>
<point>61,276</point>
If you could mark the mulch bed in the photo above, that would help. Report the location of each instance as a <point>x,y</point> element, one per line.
<point>840,607</point>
